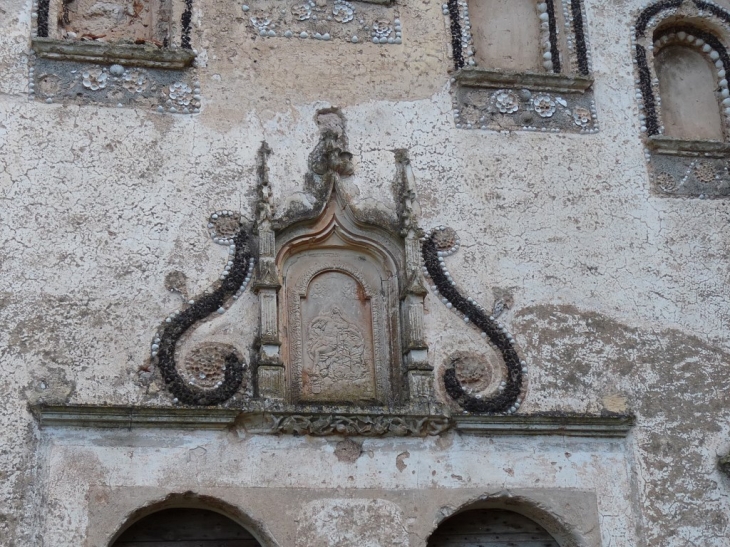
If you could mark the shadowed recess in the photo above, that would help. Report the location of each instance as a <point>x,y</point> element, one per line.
<point>186,528</point>
<point>490,528</point>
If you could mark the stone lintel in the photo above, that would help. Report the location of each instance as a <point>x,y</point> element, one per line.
<point>560,83</point>
<point>684,147</point>
<point>113,53</point>
<point>617,426</point>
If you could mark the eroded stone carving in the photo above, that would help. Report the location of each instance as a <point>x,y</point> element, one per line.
<point>339,344</point>
<point>162,90</point>
<point>361,425</point>
<point>338,341</point>
<point>366,21</point>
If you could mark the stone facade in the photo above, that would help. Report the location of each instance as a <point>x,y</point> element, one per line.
<point>342,286</point>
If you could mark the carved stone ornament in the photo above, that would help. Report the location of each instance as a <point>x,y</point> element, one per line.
<point>340,345</point>
<point>360,425</point>
<point>680,166</point>
<point>375,21</point>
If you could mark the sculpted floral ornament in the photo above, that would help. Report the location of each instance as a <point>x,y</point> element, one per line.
<point>374,20</point>
<point>180,96</point>
<point>302,11</point>
<point>544,105</point>
<point>261,24</point>
<point>134,81</point>
<point>507,102</point>
<point>343,12</point>
<point>381,29</point>
<point>581,116</point>
<point>95,78</point>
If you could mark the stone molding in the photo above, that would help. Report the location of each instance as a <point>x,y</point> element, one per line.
<point>685,147</point>
<point>616,426</point>
<point>372,424</point>
<point>545,81</point>
<point>113,53</point>
<point>129,417</point>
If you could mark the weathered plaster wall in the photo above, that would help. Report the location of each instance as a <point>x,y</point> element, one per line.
<point>103,478</point>
<point>619,298</point>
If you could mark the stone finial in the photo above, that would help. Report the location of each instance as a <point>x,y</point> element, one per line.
<point>330,154</point>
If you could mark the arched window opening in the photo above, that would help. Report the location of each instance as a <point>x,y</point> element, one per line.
<point>506,34</point>
<point>186,527</point>
<point>688,86</point>
<point>682,66</point>
<point>489,527</point>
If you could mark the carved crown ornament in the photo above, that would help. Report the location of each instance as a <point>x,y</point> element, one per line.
<point>340,346</point>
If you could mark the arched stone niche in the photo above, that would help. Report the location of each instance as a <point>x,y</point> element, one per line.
<point>338,311</point>
<point>185,519</point>
<point>184,527</point>
<point>339,326</point>
<point>514,520</point>
<point>688,85</point>
<point>682,66</point>
<point>491,527</point>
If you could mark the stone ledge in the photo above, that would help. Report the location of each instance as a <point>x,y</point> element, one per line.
<point>684,147</point>
<point>113,53</point>
<point>617,426</point>
<point>559,83</point>
<point>369,424</point>
<point>133,417</point>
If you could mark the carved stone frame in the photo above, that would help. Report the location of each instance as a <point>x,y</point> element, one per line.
<point>337,224</point>
<point>378,307</point>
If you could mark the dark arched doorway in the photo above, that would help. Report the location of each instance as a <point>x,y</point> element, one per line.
<point>186,528</point>
<point>490,527</point>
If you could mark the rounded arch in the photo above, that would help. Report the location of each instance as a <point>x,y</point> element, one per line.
<point>703,28</point>
<point>190,501</point>
<point>685,60</point>
<point>515,510</point>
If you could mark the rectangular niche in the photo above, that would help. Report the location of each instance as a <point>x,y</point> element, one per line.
<point>374,21</point>
<point>338,328</point>
<point>521,65</point>
<point>139,21</point>
<point>134,53</point>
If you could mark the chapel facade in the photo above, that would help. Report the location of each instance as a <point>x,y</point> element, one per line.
<point>296,273</point>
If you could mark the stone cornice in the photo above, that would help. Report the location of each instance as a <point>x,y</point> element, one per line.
<point>570,425</point>
<point>684,147</point>
<point>111,53</point>
<point>547,81</point>
<point>133,417</point>
<point>330,423</point>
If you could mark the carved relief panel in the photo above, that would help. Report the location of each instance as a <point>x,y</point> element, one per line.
<point>336,322</point>
<point>338,343</point>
